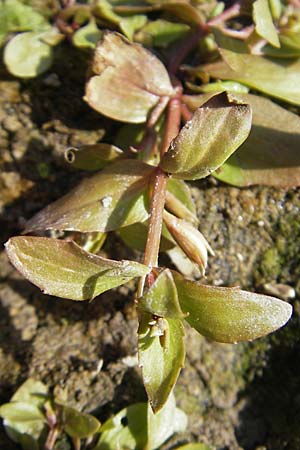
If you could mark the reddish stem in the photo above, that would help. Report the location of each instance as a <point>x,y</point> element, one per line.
<point>186,113</point>
<point>229,13</point>
<point>155,222</point>
<point>172,122</point>
<point>186,46</point>
<point>160,183</point>
<point>189,43</point>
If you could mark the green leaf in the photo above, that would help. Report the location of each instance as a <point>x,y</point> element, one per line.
<point>126,430</point>
<point>230,314</point>
<point>22,412</point>
<point>77,424</point>
<point>270,155</point>
<point>104,10</point>
<point>161,356</point>
<point>52,37</point>
<point>129,25</point>
<point>31,391</point>
<point>278,78</point>
<point>26,56</point>
<point>22,418</point>
<point>113,198</point>
<point>264,25</point>
<point>65,270</point>
<point>92,157</point>
<point>220,86</point>
<point>163,32</point>
<point>183,10</point>
<point>120,89</point>
<point>162,425</point>
<point>161,298</point>
<point>215,131</point>
<point>179,200</point>
<point>15,16</point>
<point>135,237</point>
<point>87,36</point>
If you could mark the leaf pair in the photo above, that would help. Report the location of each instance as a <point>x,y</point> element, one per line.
<point>221,314</point>
<point>270,155</point>
<point>136,427</point>
<point>278,78</point>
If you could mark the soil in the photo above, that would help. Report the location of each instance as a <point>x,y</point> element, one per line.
<point>244,396</point>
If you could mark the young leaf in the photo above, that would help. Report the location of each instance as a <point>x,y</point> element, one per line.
<point>162,425</point>
<point>31,391</point>
<point>128,80</point>
<point>183,10</point>
<point>15,16</point>
<point>264,25</point>
<point>22,412</point>
<point>129,25</point>
<point>77,424</point>
<point>113,198</point>
<point>162,32</point>
<point>65,270</point>
<point>215,131</point>
<point>92,157</point>
<point>27,56</point>
<point>87,36</point>
<point>229,314</point>
<point>136,427</point>
<point>22,418</point>
<point>161,299</point>
<point>270,155</point>
<point>179,200</point>
<point>277,78</point>
<point>161,356</point>
<point>126,430</point>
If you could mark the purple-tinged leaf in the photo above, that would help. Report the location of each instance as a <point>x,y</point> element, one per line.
<point>271,154</point>
<point>215,131</point>
<point>230,314</point>
<point>128,80</point>
<point>65,270</point>
<point>113,198</point>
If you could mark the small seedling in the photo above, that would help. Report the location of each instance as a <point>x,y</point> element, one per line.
<point>35,419</point>
<point>140,193</point>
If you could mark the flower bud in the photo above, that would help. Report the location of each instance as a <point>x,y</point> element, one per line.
<point>189,239</point>
<point>174,205</point>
